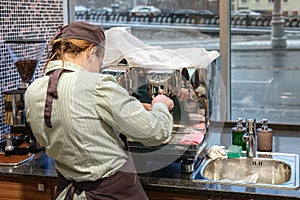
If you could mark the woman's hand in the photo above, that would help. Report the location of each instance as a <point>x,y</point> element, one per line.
<point>147,106</point>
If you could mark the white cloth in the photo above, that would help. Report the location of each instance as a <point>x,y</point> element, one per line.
<point>120,44</point>
<point>216,152</point>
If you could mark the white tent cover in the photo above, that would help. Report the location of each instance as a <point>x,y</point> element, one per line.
<point>120,44</point>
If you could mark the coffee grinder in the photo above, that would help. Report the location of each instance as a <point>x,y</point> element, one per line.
<point>26,55</point>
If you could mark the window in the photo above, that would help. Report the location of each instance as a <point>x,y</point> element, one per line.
<point>263,82</point>
<point>263,78</point>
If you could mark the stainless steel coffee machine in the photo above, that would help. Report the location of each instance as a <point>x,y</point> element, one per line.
<point>145,83</point>
<point>26,55</point>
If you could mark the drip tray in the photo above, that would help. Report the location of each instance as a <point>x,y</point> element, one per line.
<point>14,160</point>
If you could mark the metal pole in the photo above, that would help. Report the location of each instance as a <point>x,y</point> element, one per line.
<point>225,25</point>
<point>278,38</point>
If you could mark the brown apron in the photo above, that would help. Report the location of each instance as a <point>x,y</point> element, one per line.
<point>120,186</point>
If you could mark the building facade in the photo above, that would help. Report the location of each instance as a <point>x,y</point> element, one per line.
<point>288,7</point>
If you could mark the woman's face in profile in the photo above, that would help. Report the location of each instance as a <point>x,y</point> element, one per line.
<point>97,60</point>
<point>97,63</point>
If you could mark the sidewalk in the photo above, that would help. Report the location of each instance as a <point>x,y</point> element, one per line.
<point>263,45</point>
<point>253,45</point>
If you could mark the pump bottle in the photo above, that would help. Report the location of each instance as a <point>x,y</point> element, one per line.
<point>237,134</point>
<point>264,137</point>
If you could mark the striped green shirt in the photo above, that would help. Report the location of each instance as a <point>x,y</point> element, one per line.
<point>90,110</point>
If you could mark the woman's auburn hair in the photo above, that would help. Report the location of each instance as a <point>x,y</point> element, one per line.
<point>73,46</point>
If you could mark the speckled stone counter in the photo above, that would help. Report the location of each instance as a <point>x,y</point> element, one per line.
<point>286,139</point>
<point>40,165</point>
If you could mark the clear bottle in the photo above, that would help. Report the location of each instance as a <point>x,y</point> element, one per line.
<point>264,137</point>
<point>237,134</point>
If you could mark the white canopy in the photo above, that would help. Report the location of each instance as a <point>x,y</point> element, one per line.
<point>120,44</point>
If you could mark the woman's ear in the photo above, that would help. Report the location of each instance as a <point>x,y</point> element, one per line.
<point>93,51</point>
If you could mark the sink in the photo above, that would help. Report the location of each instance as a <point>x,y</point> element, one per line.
<point>271,170</point>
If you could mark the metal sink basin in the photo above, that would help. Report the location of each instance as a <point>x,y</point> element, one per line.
<point>272,170</point>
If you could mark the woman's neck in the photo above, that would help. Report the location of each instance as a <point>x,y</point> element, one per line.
<point>79,59</point>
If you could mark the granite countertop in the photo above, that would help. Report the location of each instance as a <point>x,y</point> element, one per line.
<point>169,177</point>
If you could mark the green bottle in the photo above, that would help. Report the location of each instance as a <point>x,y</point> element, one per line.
<point>237,134</point>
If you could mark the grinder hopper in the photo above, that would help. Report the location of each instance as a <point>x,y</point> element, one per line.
<point>26,55</point>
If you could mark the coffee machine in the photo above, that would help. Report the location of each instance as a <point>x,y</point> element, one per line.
<point>145,83</point>
<point>26,55</point>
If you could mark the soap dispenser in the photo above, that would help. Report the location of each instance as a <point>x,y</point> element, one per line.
<point>264,137</point>
<point>237,134</point>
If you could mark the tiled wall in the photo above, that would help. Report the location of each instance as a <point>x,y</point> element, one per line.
<point>27,19</point>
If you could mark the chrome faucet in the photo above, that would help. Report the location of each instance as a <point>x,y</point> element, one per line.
<point>250,138</point>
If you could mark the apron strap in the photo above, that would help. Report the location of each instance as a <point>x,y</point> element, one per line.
<point>52,93</point>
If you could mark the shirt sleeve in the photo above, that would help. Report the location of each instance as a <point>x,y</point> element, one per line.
<point>128,116</point>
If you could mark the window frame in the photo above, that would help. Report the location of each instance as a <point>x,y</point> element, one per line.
<point>225,52</point>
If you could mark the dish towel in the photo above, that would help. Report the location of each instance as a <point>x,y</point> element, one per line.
<point>196,135</point>
<point>216,152</point>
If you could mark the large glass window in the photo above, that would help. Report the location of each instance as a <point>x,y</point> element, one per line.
<point>263,62</point>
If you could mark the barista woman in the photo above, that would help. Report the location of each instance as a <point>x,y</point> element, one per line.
<point>76,113</point>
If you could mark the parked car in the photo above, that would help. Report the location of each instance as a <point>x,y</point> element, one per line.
<point>245,13</point>
<point>184,12</point>
<point>192,12</point>
<point>145,10</point>
<point>204,12</point>
<point>81,9</point>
